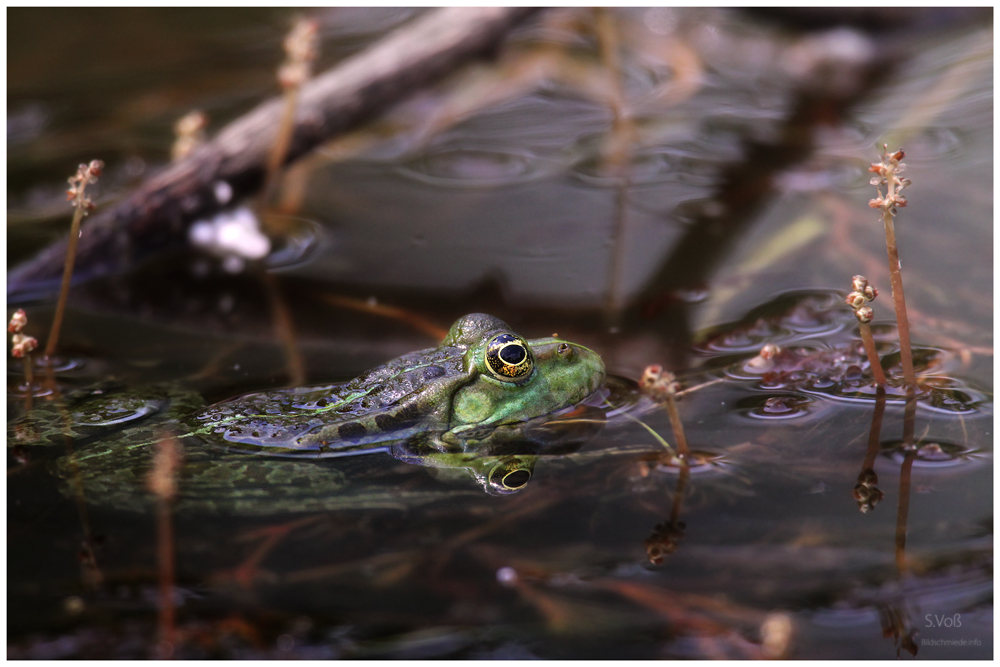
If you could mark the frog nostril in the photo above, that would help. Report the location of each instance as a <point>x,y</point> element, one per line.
<point>565,350</point>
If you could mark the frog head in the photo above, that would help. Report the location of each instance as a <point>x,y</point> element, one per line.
<point>511,379</point>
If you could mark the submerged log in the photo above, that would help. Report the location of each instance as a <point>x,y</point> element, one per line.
<point>157,214</point>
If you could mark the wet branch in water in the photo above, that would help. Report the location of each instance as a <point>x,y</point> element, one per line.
<point>339,100</point>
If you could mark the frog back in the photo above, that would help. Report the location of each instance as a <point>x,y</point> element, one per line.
<point>406,396</point>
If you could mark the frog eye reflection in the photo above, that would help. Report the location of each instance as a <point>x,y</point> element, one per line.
<point>508,358</point>
<point>509,478</point>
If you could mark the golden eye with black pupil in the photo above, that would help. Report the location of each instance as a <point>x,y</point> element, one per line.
<point>509,478</point>
<point>508,358</point>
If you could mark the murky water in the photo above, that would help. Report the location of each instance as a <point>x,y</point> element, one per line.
<point>728,212</point>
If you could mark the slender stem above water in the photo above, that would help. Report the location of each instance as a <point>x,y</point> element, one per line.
<point>873,360</point>
<point>74,234</point>
<point>899,301</point>
<point>82,205</point>
<point>678,428</point>
<point>887,173</point>
<point>29,380</point>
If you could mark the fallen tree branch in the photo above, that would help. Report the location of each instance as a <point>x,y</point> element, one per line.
<point>157,214</point>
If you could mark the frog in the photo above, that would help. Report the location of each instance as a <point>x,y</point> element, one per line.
<point>485,401</point>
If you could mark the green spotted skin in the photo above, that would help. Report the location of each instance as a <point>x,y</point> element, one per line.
<point>453,406</point>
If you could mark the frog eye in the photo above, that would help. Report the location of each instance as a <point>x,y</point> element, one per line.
<point>508,358</point>
<point>509,477</point>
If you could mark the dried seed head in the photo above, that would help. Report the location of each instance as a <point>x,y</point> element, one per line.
<point>300,44</point>
<point>301,48</point>
<point>664,541</point>
<point>887,172</point>
<point>22,345</point>
<point>17,321</point>
<point>190,133</point>
<point>85,174</point>
<point>658,384</point>
<point>868,477</point>
<point>855,300</point>
<point>191,123</point>
<point>861,285</point>
<point>770,351</point>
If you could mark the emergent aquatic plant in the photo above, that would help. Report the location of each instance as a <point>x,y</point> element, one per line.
<point>301,48</point>
<point>82,205</point>
<point>887,174</point>
<point>662,386</point>
<point>21,347</point>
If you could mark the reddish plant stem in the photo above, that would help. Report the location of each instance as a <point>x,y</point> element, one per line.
<point>285,329</point>
<point>678,428</point>
<point>297,61</point>
<point>74,235</point>
<point>163,481</point>
<point>165,553</point>
<point>903,511</point>
<point>279,151</point>
<point>616,157</point>
<point>909,422</point>
<point>682,480</point>
<point>896,281</point>
<point>29,379</point>
<point>874,434</point>
<point>873,360</point>
<point>92,576</point>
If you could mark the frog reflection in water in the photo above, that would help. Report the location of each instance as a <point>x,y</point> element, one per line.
<point>481,401</point>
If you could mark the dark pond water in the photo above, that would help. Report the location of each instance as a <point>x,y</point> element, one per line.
<point>685,203</point>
